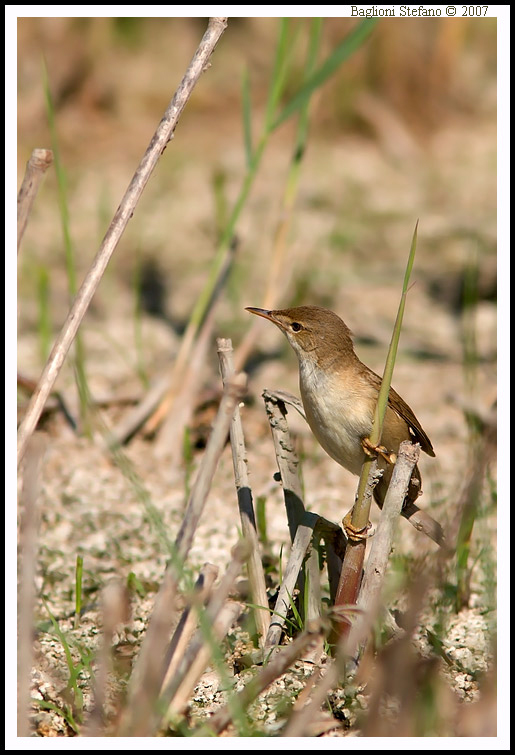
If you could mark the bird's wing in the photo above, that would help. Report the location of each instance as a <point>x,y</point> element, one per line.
<point>401,408</point>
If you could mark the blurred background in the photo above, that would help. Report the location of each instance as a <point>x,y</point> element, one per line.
<point>404,129</point>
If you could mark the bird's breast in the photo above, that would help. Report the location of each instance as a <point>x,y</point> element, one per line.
<point>339,410</point>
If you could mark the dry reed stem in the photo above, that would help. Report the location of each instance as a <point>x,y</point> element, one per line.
<point>188,621</point>
<point>170,439</point>
<point>245,503</point>
<point>162,136</point>
<point>115,611</point>
<point>279,662</point>
<point>287,460</point>
<point>147,676</point>
<point>232,394</point>
<point>216,603</point>
<point>37,165</point>
<point>284,600</point>
<point>382,541</point>
<point>28,548</point>
<point>424,522</point>
<point>225,619</point>
<point>397,672</point>
<point>300,720</point>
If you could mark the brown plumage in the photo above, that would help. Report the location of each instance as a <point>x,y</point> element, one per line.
<point>339,394</point>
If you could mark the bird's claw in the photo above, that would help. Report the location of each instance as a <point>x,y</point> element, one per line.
<point>352,532</point>
<point>373,451</point>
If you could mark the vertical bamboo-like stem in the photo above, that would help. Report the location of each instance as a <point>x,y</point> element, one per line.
<point>245,504</point>
<point>287,460</point>
<point>39,162</point>
<point>28,545</point>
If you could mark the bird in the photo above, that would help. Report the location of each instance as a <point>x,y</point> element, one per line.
<point>339,394</point>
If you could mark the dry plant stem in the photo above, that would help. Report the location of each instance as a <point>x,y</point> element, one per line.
<point>137,416</point>
<point>397,674</point>
<point>381,543</point>
<point>312,528</point>
<point>122,216</point>
<point>245,503</point>
<point>287,460</point>
<point>239,552</point>
<point>300,721</point>
<point>281,660</point>
<point>300,545</point>
<point>352,567</point>
<point>115,611</point>
<point>147,676</point>
<point>424,522</point>
<point>226,618</point>
<point>233,393</point>
<point>170,438</point>
<point>29,521</point>
<point>55,400</point>
<point>39,162</point>
<point>188,621</point>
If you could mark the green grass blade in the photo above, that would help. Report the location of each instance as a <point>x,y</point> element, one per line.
<point>278,74</point>
<point>359,514</point>
<point>80,357</point>
<point>344,50</point>
<point>78,589</point>
<point>247,115</point>
<point>382,401</point>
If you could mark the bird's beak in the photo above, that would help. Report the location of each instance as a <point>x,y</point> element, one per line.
<point>266,313</point>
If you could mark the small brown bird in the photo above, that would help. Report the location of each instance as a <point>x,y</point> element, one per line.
<point>339,394</point>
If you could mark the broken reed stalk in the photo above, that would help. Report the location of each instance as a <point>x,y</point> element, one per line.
<point>28,546</point>
<point>306,528</point>
<point>37,165</point>
<point>300,546</point>
<point>381,544</point>
<point>206,636</point>
<point>221,624</point>
<point>232,395</point>
<point>115,611</point>
<point>245,504</point>
<point>279,662</point>
<point>287,460</point>
<point>355,553</point>
<point>147,675</point>
<point>335,671</point>
<point>162,136</point>
<point>188,621</point>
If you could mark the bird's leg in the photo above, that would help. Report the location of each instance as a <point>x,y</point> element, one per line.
<point>352,532</point>
<point>371,450</point>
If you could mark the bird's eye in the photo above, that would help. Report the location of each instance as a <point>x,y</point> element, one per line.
<point>296,326</point>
